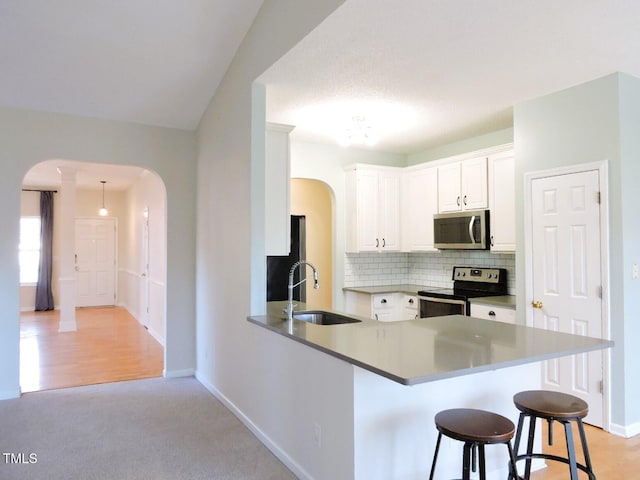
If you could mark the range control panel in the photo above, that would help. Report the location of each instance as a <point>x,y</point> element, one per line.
<point>484,275</point>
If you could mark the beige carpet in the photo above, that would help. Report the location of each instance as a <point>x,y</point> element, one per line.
<point>144,429</point>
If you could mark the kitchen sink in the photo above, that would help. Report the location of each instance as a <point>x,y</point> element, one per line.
<point>320,317</point>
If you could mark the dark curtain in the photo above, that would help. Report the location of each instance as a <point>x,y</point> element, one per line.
<point>44,296</point>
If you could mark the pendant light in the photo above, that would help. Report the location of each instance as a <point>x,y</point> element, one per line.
<point>103,212</point>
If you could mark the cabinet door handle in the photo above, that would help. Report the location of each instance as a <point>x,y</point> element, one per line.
<point>411,300</point>
<point>384,243</point>
<point>376,315</point>
<point>458,200</point>
<point>492,313</point>
<point>384,300</point>
<point>465,200</point>
<point>377,243</point>
<point>491,240</point>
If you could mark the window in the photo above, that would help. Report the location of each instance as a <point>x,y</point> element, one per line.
<point>29,249</point>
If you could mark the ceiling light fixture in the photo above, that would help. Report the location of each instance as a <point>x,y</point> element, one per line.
<point>359,132</point>
<point>103,212</point>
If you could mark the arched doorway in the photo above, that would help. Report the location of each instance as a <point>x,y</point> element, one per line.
<point>122,339</point>
<point>313,199</point>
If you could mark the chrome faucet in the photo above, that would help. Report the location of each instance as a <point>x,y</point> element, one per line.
<point>291,285</point>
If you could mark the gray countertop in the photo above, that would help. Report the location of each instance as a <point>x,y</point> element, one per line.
<point>404,288</point>
<point>506,301</point>
<point>423,350</point>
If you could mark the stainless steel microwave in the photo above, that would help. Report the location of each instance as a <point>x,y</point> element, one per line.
<point>468,230</point>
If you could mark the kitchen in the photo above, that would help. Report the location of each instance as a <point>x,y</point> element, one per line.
<point>327,163</point>
<point>403,264</point>
<point>437,271</point>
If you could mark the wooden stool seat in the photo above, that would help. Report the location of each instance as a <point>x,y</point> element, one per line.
<point>553,406</point>
<point>476,428</point>
<point>469,425</point>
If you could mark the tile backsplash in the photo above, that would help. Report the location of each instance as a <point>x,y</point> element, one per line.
<point>426,268</point>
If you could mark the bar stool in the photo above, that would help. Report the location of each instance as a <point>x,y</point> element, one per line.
<point>476,428</point>
<point>553,406</point>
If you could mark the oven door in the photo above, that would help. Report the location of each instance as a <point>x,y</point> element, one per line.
<point>437,307</point>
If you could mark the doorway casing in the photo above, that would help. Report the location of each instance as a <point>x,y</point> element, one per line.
<point>602,168</point>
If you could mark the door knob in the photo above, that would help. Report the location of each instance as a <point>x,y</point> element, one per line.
<point>536,304</point>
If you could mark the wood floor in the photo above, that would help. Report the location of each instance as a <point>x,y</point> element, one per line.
<point>612,457</point>
<point>109,346</point>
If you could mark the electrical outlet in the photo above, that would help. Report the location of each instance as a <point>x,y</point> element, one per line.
<point>634,271</point>
<point>317,434</point>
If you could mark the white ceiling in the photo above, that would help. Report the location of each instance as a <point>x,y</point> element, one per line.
<point>423,72</point>
<point>429,72</point>
<point>154,62</point>
<point>88,175</point>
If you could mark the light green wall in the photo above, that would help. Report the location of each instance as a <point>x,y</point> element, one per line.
<point>587,123</point>
<point>27,138</point>
<point>493,139</point>
<point>629,106</point>
<point>276,386</point>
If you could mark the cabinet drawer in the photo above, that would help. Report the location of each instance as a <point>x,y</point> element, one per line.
<point>410,302</point>
<point>382,301</point>
<point>489,312</point>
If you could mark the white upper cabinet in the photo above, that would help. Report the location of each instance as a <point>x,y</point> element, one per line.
<point>463,185</point>
<point>392,208</point>
<point>373,208</point>
<point>277,181</point>
<point>502,202</point>
<point>419,204</point>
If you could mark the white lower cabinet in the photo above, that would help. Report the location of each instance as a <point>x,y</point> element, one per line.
<point>409,307</point>
<point>385,307</point>
<point>491,312</point>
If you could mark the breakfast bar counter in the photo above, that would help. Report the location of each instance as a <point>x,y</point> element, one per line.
<point>427,349</point>
<point>366,393</point>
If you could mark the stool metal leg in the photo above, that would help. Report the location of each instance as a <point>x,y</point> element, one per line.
<point>571,452</point>
<point>516,444</point>
<point>483,470</point>
<point>513,469</point>
<point>435,456</point>
<point>466,461</point>
<point>532,434</point>
<point>585,449</point>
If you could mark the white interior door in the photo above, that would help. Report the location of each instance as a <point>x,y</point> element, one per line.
<point>95,262</point>
<point>567,279</point>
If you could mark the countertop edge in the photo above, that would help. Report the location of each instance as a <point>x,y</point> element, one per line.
<point>264,322</point>
<point>353,361</point>
<point>503,301</point>
<point>407,288</point>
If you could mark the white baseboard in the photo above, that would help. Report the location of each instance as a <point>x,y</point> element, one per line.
<point>32,308</point>
<point>296,468</point>
<point>155,335</point>
<point>68,326</point>
<point>626,431</point>
<point>187,372</point>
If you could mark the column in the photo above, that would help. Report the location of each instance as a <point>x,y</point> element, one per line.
<point>67,223</point>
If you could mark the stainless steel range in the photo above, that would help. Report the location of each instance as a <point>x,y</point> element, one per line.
<point>468,282</point>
